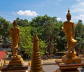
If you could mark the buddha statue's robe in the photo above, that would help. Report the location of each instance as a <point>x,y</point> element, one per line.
<point>14,33</point>
<point>68,28</point>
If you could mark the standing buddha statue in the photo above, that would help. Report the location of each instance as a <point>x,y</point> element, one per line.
<point>68,28</point>
<point>14,33</point>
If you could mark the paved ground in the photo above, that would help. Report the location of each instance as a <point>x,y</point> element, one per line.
<point>49,68</point>
<point>52,68</point>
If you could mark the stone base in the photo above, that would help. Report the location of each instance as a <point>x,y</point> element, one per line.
<point>16,60</point>
<point>69,67</point>
<point>71,58</point>
<point>75,70</point>
<point>14,69</point>
<point>15,65</point>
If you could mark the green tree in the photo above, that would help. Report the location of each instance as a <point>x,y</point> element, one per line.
<point>26,40</point>
<point>80,35</point>
<point>22,22</point>
<point>4,26</point>
<point>48,29</point>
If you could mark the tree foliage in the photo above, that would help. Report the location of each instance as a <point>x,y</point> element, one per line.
<point>4,26</point>
<point>80,34</point>
<point>22,22</point>
<point>48,29</point>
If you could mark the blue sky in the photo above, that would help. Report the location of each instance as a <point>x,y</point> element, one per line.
<point>27,9</point>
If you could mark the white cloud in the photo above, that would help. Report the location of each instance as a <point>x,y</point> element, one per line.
<point>59,19</point>
<point>27,13</point>
<point>79,7</point>
<point>79,17</point>
<point>78,10</point>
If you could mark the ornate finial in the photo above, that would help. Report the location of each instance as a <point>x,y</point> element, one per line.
<point>68,16</point>
<point>68,11</point>
<point>36,65</point>
<point>14,23</point>
<point>36,37</point>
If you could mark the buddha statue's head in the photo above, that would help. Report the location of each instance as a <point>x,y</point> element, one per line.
<point>68,16</point>
<point>14,23</point>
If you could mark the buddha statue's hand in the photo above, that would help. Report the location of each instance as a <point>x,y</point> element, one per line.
<point>74,41</point>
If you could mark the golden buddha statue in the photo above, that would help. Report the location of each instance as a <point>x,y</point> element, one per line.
<point>16,63</point>
<point>14,33</point>
<point>68,28</point>
<point>36,65</point>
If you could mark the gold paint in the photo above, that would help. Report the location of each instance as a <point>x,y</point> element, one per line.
<point>68,28</point>
<point>36,65</point>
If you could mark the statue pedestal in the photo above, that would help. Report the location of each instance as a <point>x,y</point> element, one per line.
<point>15,65</point>
<point>71,58</point>
<point>15,69</point>
<point>69,67</point>
<point>69,63</point>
